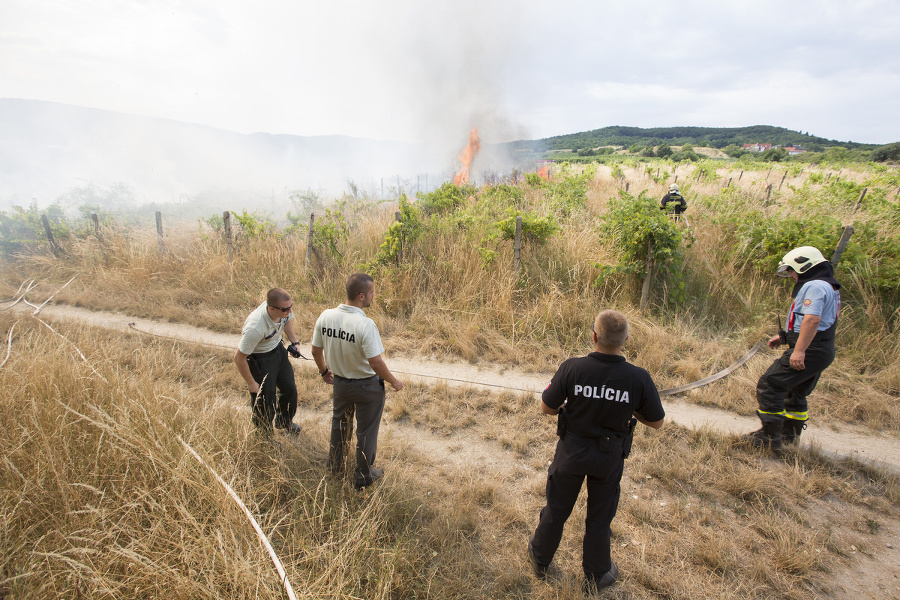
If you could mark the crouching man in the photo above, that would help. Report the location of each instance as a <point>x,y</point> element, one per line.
<point>599,398</point>
<point>263,362</point>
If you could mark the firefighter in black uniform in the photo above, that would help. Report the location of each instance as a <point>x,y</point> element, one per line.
<point>599,398</point>
<point>673,201</point>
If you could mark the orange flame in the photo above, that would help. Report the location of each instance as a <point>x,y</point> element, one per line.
<point>466,156</point>
<point>544,172</point>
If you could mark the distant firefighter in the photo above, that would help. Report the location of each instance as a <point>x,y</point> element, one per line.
<point>673,201</point>
<point>811,322</point>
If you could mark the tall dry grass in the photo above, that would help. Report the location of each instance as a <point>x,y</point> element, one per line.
<point>100,500</point>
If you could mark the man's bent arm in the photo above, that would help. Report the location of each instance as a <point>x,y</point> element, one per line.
<point>318,353</point>
<point>240,361</point>
<point>653,424</point>
<point>808,329</point>
<point>289,332</point>
<point>381,369</point>
<point>547,410</point>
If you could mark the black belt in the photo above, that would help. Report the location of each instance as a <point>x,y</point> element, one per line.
<point>339,378</point>
<point>617,435</point>
<point>275,349</point>
<point>825,335</point>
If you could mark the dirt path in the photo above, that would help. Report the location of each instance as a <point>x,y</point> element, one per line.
<point>839,439</point>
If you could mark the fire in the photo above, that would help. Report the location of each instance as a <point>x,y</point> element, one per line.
<point>544,172</point>
<point>465,157</point>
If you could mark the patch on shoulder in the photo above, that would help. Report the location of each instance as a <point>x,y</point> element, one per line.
<point>807,302</point>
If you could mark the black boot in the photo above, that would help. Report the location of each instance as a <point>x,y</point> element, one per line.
<point>792,431</point>
<point>769,436</point>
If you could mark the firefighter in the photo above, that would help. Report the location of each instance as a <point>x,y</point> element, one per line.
<point>809,334</point>
<point>673,201</point>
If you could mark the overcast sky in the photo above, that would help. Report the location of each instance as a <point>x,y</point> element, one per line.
<point>428,70</point>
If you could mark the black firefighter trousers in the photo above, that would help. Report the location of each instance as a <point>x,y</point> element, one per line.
<point>599,461</point>
<point>782,390</point>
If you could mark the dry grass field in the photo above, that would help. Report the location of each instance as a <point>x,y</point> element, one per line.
<point>99,499</point>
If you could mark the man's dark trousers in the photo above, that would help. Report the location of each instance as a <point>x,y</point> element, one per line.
<point>601,463</point>
<point>367,397</point>
<point>278,388</point>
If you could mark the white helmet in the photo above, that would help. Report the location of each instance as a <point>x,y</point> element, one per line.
<point>800,260</point>
<point>673,188</point>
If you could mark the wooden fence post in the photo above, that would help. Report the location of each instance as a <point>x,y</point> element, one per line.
<point>310,248</point>
<point>645,289</point>
<point>741,175</point>
<point>54,247</point>
<point>518,251</point>
<point>783,177</point>
<point>96,220</point>
<point>859,201</point>
<point>226,218</point>
<point>842,244</point>
<point>159,234</point>
<point>626,186</point>
<point>398,218</point>
<point>768,191</point>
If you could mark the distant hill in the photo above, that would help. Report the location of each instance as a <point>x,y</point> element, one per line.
<point>715,137</point>
<point>47,149</point>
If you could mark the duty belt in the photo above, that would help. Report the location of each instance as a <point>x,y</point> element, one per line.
<point>275,349</point>
<point>339,378</point>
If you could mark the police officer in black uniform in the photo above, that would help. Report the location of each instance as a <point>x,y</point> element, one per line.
<point>599,398</point>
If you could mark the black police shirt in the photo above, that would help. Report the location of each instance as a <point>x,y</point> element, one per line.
<point>603,390</point>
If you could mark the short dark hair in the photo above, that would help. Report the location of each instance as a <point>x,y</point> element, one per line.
<point>611,328</point>
<point>277,295</point>
<point>357,284</point>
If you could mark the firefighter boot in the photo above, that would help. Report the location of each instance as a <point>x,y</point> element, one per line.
<point>792,431</point>
<point>768,436</point>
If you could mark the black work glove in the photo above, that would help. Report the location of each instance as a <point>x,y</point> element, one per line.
<point>292,350</point>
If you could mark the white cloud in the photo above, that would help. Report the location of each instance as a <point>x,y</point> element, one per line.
<point>409,70</point>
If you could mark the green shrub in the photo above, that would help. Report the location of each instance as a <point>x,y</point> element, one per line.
<point>255,225</point>
<point>638,230</point>
<point>887,152</point>
<point>446,198</point>
<point>403,232</point>
<point>535,229</point>
<point>21,228</point>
